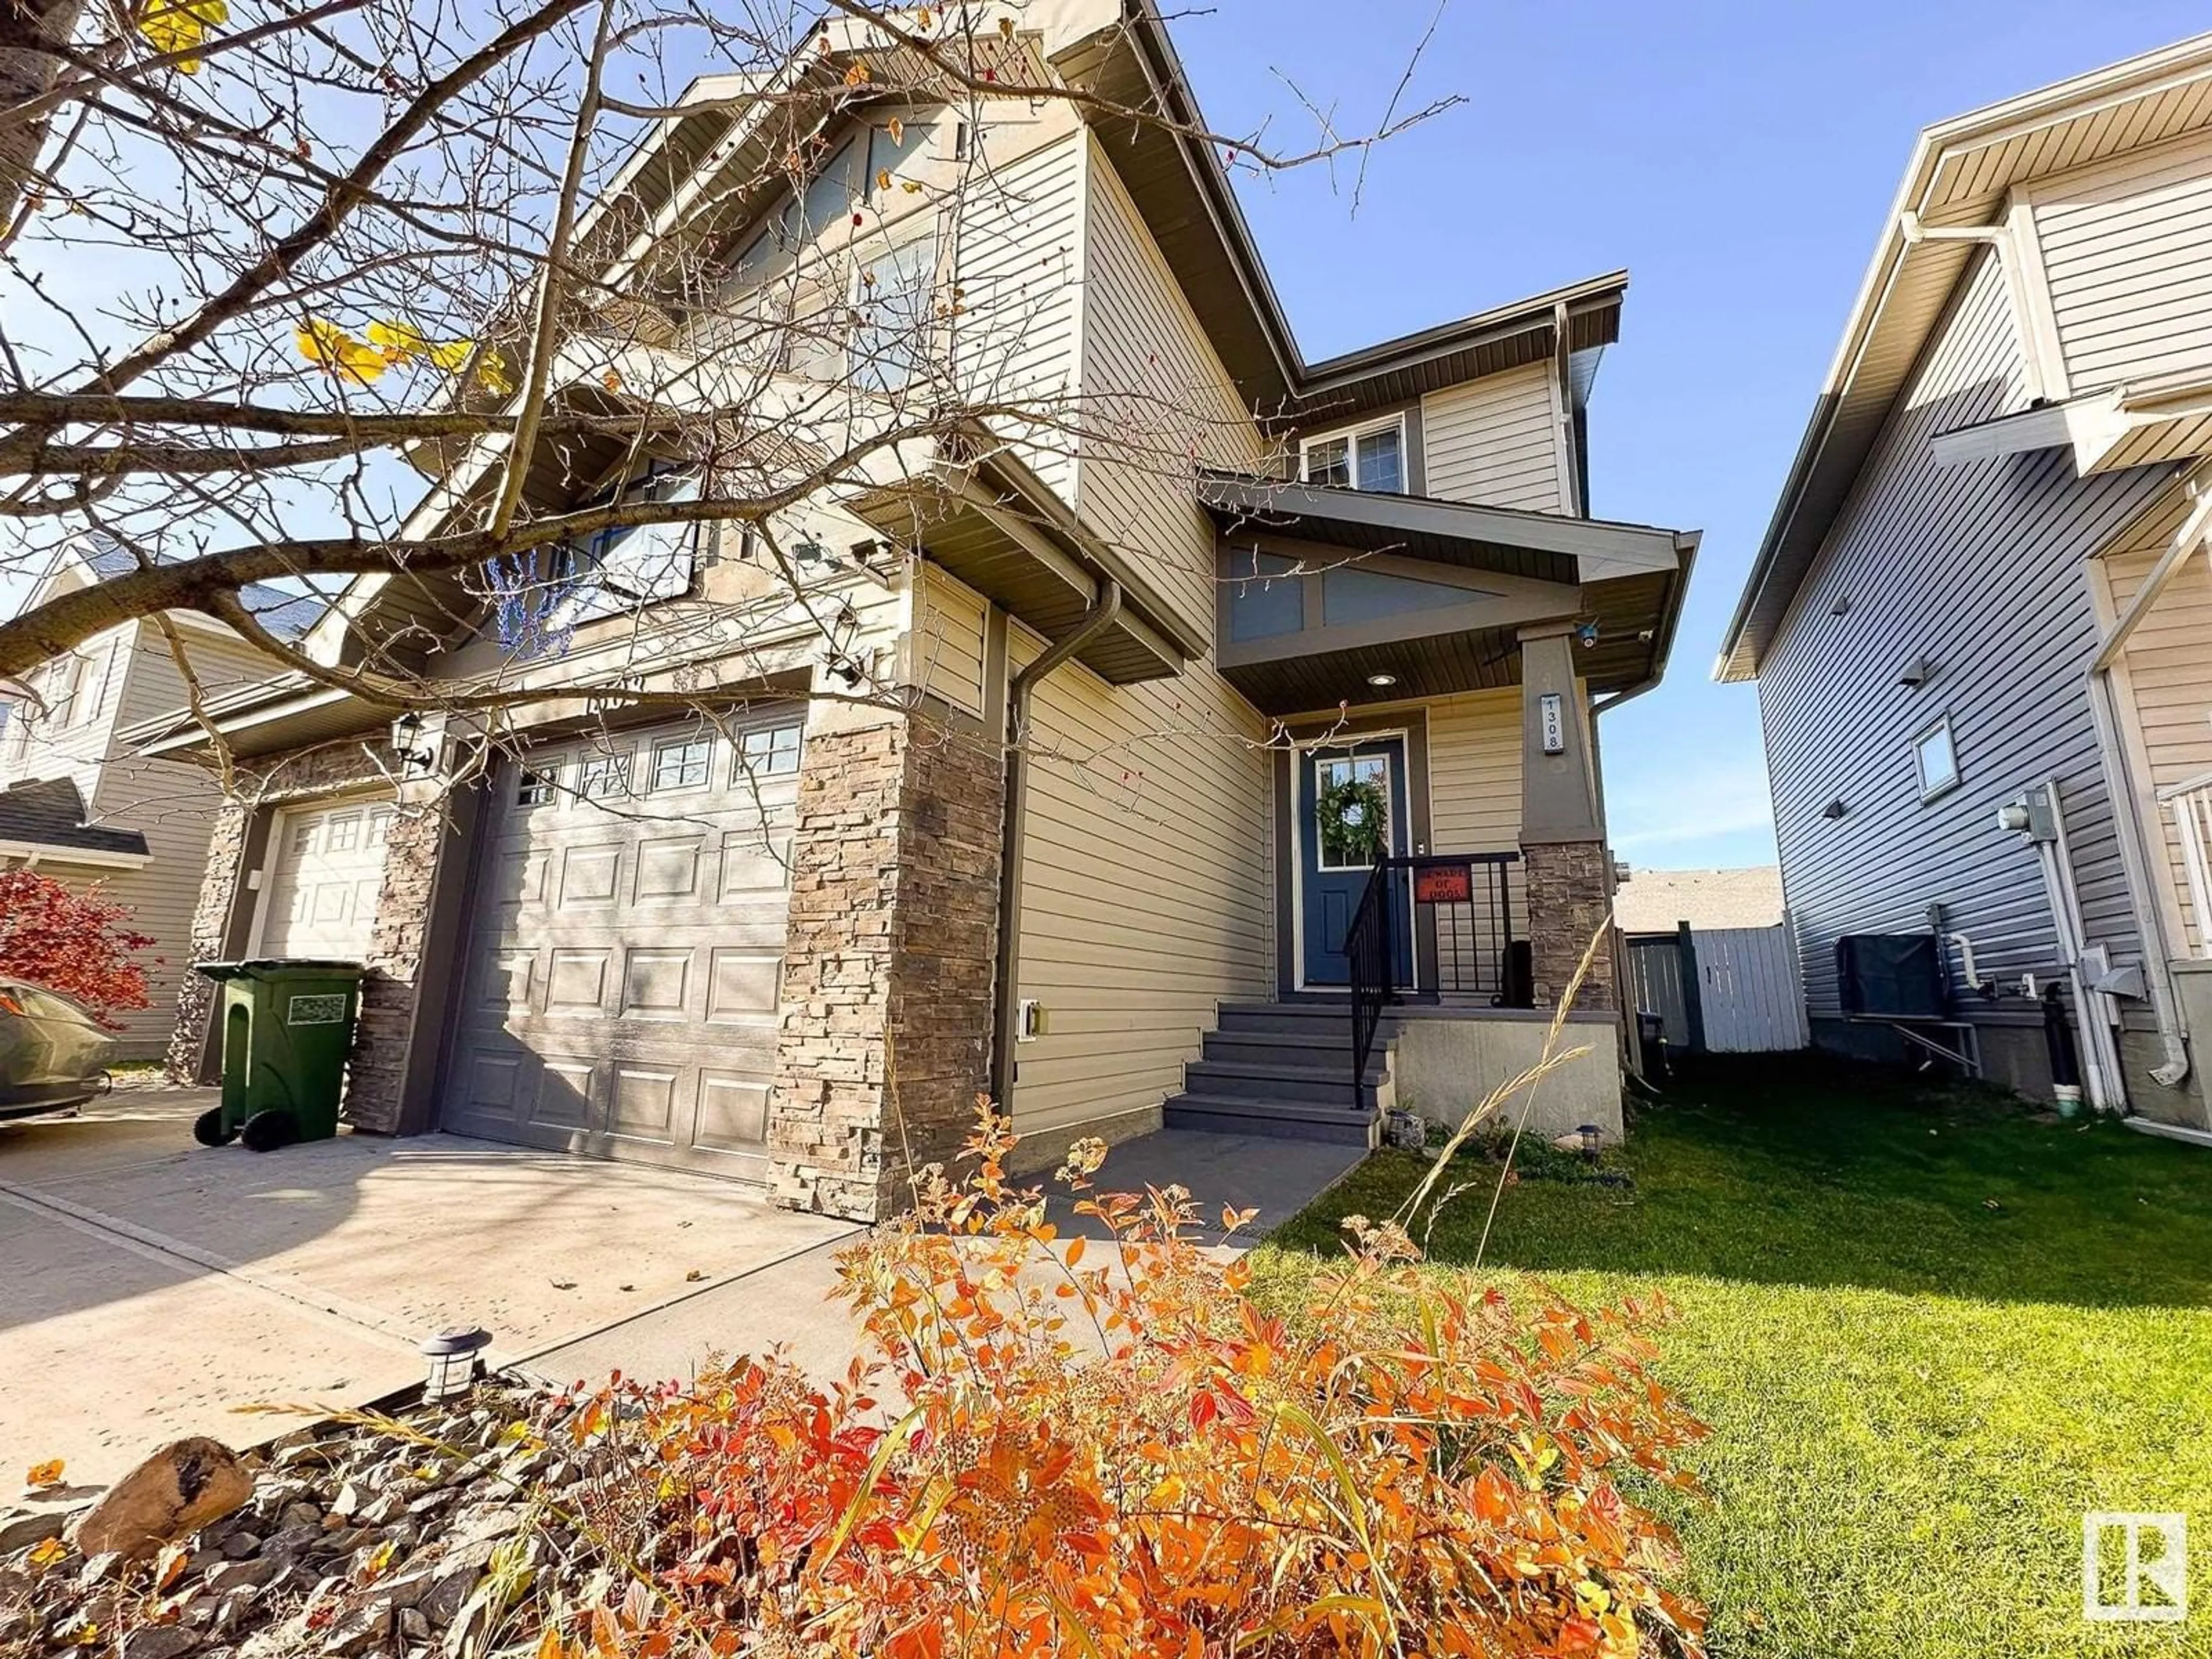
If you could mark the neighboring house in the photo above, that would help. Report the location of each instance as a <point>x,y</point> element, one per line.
<point>1985,593</point>
<point>791,943</point>
<point>1660,901</point>
<point>76,803</point>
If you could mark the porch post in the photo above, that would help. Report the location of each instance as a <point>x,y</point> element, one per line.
<point>1564,857</point>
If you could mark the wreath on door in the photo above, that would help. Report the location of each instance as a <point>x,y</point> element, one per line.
<point>1354,816</point>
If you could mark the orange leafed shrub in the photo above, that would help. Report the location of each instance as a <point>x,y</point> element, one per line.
<point>1100,1447</point>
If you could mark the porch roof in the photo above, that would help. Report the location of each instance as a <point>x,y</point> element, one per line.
<point>996,524</point>
<point>1625,581</point>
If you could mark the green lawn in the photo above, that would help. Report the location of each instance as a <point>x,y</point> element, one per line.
<point>1929,1329</point>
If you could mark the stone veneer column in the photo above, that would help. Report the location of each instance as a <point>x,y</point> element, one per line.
<point>1564,857</point>
<point>187,1061</point>
<point>885,1034</point>
<point>385,1031</point>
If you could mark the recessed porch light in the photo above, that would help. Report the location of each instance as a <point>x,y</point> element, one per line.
<point>1382,681</point>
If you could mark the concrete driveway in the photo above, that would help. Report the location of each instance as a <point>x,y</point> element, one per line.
<point>150,1287</point>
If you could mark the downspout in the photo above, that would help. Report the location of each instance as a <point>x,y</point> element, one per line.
<point>2104,708</point>
<point>1105,607</point>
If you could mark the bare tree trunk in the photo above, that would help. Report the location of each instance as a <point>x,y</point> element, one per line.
<point>26,72</point>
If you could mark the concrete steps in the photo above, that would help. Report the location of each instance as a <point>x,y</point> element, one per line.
<point>1284,1069</point>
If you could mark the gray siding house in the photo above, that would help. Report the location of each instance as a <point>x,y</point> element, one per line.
<point>78,803</point>
<point>1981,621</point>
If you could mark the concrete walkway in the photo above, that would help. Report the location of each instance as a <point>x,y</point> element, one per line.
<point>154,1287</point>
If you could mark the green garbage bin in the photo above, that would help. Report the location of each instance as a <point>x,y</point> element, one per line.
<point>286,1029</point>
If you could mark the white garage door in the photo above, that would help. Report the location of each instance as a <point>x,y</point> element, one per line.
<point>627,948</point>
<point>324,879</point>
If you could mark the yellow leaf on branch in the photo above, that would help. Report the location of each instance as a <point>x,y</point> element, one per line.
<point>398,340</point>
<point>180,26</point>
<point>324,342</point>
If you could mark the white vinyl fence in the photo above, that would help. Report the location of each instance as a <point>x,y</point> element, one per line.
<point>1723,990</point>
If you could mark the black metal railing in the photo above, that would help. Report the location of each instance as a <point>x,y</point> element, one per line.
<point>1436,924</point>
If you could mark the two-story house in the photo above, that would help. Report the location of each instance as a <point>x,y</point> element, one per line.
<point>1981,622</point>
<point>1200,734</point>
<point>78,803</point>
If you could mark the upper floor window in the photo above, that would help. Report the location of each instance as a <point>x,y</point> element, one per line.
<point>1361,457</point>
<point>892,308</point>
<point>626,567</point>
<point>865,170</point>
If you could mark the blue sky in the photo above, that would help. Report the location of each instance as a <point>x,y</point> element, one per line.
<point>1737,159</point>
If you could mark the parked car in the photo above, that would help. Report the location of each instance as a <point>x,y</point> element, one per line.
<point>53,1054</point>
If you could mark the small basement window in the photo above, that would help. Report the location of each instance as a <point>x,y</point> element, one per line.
<point>1937,757</point>
<point>1370,458</point>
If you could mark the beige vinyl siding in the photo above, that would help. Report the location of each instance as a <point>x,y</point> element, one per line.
<point>1019,230</point>
<point>173,804</point>
<point>1474,772</point>
<point>2167,672</point>
<point>2127,258</point>
<point>1979,569</point>
<point>1156,399</point>
<point>1495,441</point>
<point>947,646</point>
<point>74,749</point>
<point>1147,893</point>
<point>1474,782</point>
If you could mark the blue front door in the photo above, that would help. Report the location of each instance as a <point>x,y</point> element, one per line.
<point>1334,861</point>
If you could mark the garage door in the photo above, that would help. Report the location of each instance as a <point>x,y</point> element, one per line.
<point>323,880</point>
<point>626,950</point>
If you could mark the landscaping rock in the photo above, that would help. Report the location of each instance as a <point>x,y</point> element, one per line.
<point>160,1642</point>
<point>20,1529</point>
<point>180,1489</point>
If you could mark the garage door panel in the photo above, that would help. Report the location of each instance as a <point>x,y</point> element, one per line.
<point>753,869</point>
<point>742,985</point>
<point>567,1094</point>
<point>577,980</point>
<point>732,1112</point>
<point>669,869</point>
<point>656,983</point>
<point>636,957</point>
<point>589,875</point>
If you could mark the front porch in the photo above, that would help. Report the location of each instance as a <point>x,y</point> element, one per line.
<point>1440,861</point>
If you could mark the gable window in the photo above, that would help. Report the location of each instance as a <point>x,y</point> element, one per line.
<point>1266,600</point>
<point>681,763</point>
<point>1937,758</point>
<point>892,306</point>
<point>1370,458</point>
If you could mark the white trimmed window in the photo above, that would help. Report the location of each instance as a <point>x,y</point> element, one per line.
<point>1371,457</point>
<point>1936,755</point>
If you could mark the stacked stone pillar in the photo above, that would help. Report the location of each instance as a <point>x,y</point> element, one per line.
<point>885,1033</point>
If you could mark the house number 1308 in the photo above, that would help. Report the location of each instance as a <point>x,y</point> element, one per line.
<point>1555,724</point>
